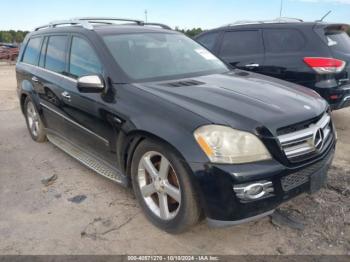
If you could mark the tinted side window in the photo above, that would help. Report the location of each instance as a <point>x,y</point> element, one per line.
<point>83,59</point>
<point>236,43</point>
<point>208,40</point>
<point>283,40</point>
<point>56,54</point>
<point>31,54</point>
<point>42,52</point>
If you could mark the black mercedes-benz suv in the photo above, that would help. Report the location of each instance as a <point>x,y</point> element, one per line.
<point>148,107</point>
<point>312,54</point>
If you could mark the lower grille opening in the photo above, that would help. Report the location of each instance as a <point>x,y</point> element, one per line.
<point>301,177</point>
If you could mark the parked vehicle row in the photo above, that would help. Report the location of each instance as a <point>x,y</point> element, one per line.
<point>149,108</point>
<point>8,52</point>
<point>312,54</point>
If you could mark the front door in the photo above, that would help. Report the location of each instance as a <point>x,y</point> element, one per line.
<point>90,124</point>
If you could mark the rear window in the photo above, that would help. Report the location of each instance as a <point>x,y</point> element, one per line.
<point>238,43</point>
<point>31,54</point>
<point>283,40</point>
<point>56,54</point>
<point>339,41</point>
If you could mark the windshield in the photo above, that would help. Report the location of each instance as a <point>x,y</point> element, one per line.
<point>339,41</point>
<point>158,55</point>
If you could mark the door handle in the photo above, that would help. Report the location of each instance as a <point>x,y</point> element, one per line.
<point>66,95</point>
<point>252,65</point>
<point>35,79</point>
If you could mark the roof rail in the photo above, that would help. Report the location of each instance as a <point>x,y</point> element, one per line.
<point>87,22</point>
<point>71,22</point>
<point>160,25</point>
<point>104,19</point>
<point>289,19</point>
<point>277,20</point>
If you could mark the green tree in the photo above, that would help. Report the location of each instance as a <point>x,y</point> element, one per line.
<point>12,36</point>
<point>6,37</point>
<point>190,32</point>
<point>19,36</point>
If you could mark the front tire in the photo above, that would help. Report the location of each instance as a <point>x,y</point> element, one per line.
<point>34,124</point>
<point>163,187</point>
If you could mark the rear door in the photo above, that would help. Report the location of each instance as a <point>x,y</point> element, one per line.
<point>49,83</point>
<point>243,49</point>
<point>283,57</point>
<point>26,69</point>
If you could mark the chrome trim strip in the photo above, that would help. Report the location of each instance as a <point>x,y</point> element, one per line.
<point>49,71</point>
<point>222,223</point>
<point>106,142</point>
<point>295,136</point>
<point>241,190</point>
<point>299,151</point>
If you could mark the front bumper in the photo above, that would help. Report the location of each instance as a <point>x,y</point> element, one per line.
<point>215,184</point>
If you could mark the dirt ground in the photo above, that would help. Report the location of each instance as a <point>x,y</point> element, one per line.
<point>39,219</point>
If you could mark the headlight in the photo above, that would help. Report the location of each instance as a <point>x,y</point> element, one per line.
<point>230,146</point>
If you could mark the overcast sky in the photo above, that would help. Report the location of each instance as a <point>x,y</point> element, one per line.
<point>26,14</point>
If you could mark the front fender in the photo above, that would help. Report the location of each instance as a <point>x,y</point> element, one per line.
<point>179,138</point>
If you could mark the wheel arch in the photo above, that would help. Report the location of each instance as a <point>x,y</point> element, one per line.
<point>27,90</point>
<point>132,141</point>
<point>129,142</point>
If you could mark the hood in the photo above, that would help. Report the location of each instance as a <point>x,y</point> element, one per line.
<point>241,100</point>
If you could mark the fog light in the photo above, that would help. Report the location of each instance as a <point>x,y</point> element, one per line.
<point>254,190</point>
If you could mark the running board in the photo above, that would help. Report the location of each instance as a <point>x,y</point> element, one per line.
<point>95,164</point>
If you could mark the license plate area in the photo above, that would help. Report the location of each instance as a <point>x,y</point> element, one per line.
<point>318,180</point>
<point>315,175</point>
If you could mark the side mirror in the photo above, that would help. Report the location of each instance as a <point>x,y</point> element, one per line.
<point>90,84</point>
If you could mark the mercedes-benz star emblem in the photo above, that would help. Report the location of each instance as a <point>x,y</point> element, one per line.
<point>318,139</point>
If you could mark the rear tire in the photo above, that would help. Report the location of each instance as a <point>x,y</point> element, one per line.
<point>163,187</point>
<point>34,123</point>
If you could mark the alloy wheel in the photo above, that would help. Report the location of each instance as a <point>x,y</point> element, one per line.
<point>159,185</point>
<point>33,119</point>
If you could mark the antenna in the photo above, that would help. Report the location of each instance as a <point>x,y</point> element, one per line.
<point>323,17</point>
<point>146,13</point>
<point>281,8</point>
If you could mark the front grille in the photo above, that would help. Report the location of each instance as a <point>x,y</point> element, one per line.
<point>301,177</point>
<point>298,126</point>
<point>306,143</point>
